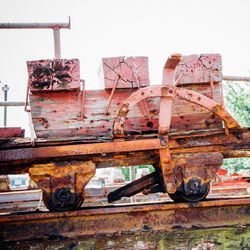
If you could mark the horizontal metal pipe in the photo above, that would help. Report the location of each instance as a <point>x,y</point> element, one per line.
<point>236,78</point>
<point>35,25</point>
<point>5,104</point>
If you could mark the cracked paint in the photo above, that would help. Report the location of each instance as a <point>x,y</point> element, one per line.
<point>197,69</point>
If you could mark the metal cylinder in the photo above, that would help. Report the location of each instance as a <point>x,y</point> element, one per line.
<point>57,44</point>
<point>6,104</point>
<point>35,25</point>
<point>5,89</point>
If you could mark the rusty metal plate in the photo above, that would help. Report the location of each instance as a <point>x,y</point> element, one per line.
<point>126,219</point>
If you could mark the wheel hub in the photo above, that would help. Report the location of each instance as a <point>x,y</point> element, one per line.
<point>193,186</point>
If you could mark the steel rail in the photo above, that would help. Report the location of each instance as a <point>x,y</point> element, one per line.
<point>126,219</point>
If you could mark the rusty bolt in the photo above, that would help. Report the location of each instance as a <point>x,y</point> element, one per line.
<point>124,109</point>
<point>166,161</point>
<point>163,141</point>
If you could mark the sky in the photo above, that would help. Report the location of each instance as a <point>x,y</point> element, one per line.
<point>109,28</point>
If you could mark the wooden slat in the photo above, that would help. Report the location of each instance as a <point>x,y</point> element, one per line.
<point>198,68</point>
<point>130,69</point>
<point>60,114</point>
<point>62,111</point>
<point>11,132</point>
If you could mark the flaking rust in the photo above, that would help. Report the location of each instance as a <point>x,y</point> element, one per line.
<point>63,182</point>
<point>127,220</point>
<point>176,126</point>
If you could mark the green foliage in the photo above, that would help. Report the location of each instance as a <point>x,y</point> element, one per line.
<point>126,173</point>
<point>237,165</point>
<point>126,170</point>
<point>237,103</point>
<point>151,168</point>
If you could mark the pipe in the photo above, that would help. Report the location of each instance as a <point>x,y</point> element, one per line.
<point>55,26</point>
<point>236,78</point>
<point>5,89</point>
<point>35,25</point>
<point>6,104</point>
<point>57,45</point>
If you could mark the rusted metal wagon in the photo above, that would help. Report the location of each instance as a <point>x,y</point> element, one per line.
<point>179,127</point>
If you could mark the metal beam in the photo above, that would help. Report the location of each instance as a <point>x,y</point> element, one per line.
<point>134,152</point>
<point>236,78</point>
<point>96,221</point>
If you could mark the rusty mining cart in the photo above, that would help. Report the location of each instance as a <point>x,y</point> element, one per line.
<point>180,127</point>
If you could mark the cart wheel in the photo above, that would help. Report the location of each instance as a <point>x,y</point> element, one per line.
<point>61,208</point>
<point>175,197</point>
<point>181,196</point>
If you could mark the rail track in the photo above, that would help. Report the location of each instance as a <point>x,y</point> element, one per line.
<point>125,219</point>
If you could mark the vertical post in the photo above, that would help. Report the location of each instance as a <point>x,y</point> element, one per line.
<point>57,44</point>
<point>5,89</point>
<point>132,178</point>
<point>132,173</point>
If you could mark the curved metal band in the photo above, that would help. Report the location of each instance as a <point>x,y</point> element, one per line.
<point>169,91</point>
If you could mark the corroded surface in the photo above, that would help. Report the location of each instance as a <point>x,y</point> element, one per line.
<point>167,95</point>
<point>143,149</point>
<point>126,219</point>
<point>62,182</point>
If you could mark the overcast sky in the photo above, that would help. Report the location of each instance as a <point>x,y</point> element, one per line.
<point>107,28</point>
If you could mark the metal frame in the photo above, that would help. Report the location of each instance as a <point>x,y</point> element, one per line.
<point>170,92</point>
<point>55,26</point>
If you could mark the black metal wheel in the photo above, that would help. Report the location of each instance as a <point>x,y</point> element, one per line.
<point>62,207</point>
<point>190,195</point>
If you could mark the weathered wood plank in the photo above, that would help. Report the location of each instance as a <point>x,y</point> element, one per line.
<point>132,71</point>
<point>198,68</point>
<point>11,132</point>
<point>58,115</point>
<point>61,114</point>
<point>57,74</point>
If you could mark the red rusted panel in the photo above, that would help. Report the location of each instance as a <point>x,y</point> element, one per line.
<point>199,68</point>
<point>11,132</point>
<point>133,71</point>
<point>57,74</point>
